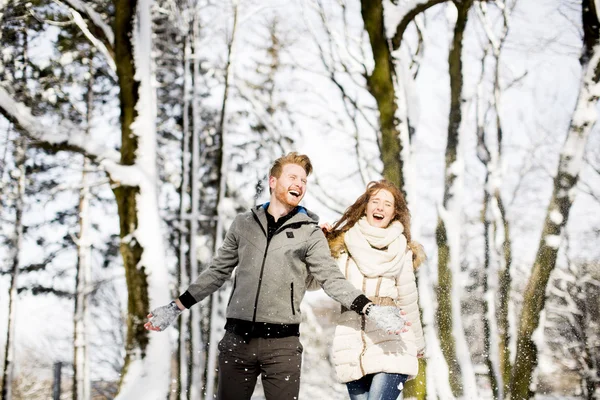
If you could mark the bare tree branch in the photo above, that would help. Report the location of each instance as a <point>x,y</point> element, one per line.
<point>409,17</point>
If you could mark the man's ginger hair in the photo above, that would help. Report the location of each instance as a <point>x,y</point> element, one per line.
<point>290,158</point>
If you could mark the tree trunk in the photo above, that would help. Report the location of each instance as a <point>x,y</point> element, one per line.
<point>184,350</point>
<point>452,339</point>
<point>490,161</point>
<point>197,345</point>
<point>381,85</point>
<point>131,250</point>
<point>219,302</point>
<point>504,289</point>
<point>415,388</point>
<point>17,243</point>
<point>496,227</point>
<point>147,362</point>
<point>81,366</point>
<point>563,194</point>
<point>126,196</point>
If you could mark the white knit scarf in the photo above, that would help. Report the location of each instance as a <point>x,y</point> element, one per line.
<point>364,243</point>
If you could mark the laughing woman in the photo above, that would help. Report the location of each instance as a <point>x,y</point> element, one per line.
<point>373,248</point>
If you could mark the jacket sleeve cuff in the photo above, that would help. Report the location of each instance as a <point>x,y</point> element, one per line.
<point>187,299</point>
<point>359,304</point>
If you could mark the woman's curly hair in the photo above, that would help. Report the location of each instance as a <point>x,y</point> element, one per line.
<point>356,211</point>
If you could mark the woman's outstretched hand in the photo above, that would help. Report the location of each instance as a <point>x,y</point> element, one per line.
<point>160,318</point>
<point>388,318</point>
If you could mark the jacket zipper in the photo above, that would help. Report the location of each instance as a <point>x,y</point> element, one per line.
<point>262,267</point>
<point>363,327</point>
<point>232,291</point>
<point>262,270</point>
<point>292,298</point>
<point>363,323</point>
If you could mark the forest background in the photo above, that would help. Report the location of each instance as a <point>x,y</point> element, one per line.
<point>133,131</point>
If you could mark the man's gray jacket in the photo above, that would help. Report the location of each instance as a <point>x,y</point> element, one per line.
<point>271,275</point>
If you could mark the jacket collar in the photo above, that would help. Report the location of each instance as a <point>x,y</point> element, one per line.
<point>303,215</point>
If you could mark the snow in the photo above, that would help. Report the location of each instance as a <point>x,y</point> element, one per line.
<point>556,217</point>
<point>451,13</point>
<point>538,334</point>
<point>56,134</point>
<point>552,241</point>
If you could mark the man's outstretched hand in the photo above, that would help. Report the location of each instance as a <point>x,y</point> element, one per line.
<point>388,318</point>
<point>162,317</point>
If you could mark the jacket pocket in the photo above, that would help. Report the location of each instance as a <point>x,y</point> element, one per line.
<point>292,298</point>
<point>232,291</point>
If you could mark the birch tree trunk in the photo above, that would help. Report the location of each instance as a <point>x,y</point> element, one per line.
<point>571,157</point>
<point>184,366</point>
<point>81,364</point>
<point>9,353</point>
<point>197,345</point>
<point>448,232</point>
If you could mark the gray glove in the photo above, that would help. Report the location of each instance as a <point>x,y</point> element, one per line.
<point>164,316</point>
<point>387,318</point>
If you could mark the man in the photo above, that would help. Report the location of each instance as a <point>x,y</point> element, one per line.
<point>275,247</point>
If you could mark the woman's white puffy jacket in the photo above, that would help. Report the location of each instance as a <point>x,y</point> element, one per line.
<point>359,347</point>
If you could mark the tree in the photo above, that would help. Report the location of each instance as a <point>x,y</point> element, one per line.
<point>497,259</point>
<point>452,338</point>
<point>17,241</point>
<point>81,358</point>
<point>381,85</point>
<point>133,175</point>
<point>573,312</point>
<point>557,214</point>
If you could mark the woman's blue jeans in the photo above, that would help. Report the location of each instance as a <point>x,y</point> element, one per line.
<point>381,386</point>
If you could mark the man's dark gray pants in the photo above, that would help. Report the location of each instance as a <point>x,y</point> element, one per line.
<point>278,360</point>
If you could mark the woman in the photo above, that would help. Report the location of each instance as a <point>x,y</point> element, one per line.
<point>373,247</point>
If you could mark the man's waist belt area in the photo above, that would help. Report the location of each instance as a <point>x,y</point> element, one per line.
<point>265,330</point>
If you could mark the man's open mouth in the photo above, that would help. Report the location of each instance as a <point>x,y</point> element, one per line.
<point>294,193</point>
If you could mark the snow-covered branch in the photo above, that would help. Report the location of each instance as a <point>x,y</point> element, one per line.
<point>63,136</point>
<point>95,18</point>
<point>108,53</point>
